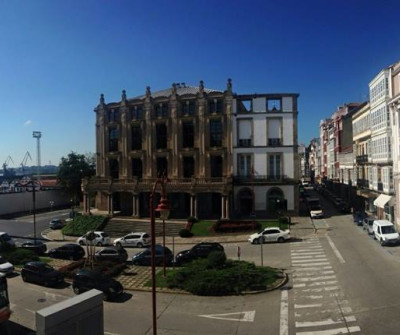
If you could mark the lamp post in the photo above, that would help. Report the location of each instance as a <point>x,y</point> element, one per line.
<point>32,184</point>
<point>163,209</point>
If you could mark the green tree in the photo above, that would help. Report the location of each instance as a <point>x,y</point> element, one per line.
<point>72,170</point>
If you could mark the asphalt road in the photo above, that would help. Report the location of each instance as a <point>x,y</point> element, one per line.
<point>341,281</point>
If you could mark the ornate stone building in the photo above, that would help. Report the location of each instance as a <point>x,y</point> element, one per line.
<point>184,133</point>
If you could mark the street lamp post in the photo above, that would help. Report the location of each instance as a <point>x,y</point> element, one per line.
<point>163,209</point>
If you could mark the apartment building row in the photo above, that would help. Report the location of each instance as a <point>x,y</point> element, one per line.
<point>225,155</point>
<point>358,150</point>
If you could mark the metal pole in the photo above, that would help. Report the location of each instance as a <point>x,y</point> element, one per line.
<point>153,262</point>
<point>164,255</point>
<point>34,210</point>
<point>262,260</point>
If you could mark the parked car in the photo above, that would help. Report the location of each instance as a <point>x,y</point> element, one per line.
<point>316,212</point>
<point>85,280</point>
<point>271,234</point>
<point>200,250</point>
<point>384,232</point>
<point>5,266</point>
<point>368,225</point>
<point>358,217</point>
<point>100,238</point>
<point>67,251</point>
<point>37,247</point>
<point>144,257</point>
<point>56,224</point>
<point>41,273</point>
<point>112,254</point>
<point>133,240</point>
<point>5,238</point>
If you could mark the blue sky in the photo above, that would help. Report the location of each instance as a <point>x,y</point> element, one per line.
<point>58,56</point>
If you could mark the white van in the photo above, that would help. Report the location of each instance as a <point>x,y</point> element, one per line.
<point>384,232</point>
<point>5,238</point>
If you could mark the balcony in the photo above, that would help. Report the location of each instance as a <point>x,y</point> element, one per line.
<point>260,179</point>
<point>361,159</point>
<point>274,141</point>
<point>244,142</point>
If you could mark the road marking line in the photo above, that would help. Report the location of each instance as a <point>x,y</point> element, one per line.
<point>335,250</point>
<point>313,297</point>
<point>314,268</point>
<point>344,330</point>
<point>307,305</point>
<point>331,288</point>
<point>313,273</point>
<point>319,255</point>
<point>315,284</point>
<point>243,316</point>
<point>327,322</point>
<point>308,260</point>
<point>284,317</point>
<point>315,278</point>
<point>315,264</point>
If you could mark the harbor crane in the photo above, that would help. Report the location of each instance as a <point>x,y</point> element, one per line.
<point>24,161</point>
<point>5,164</point>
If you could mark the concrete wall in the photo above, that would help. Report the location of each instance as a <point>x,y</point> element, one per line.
<point>11,203</point>
<point>80,315</point>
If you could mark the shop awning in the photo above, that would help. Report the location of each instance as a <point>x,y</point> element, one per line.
<point>382,200</point>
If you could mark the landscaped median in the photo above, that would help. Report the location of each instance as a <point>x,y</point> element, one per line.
<point>218,276</point>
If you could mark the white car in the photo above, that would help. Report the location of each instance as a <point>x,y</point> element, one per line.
<point>316,212</point>
<point>271,234</point>
<point>385,232</point>
<point>133,240</point>
<point>100,238</point>
<point>5,266</point>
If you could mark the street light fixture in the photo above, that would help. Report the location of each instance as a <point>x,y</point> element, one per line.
<point>164,209</point>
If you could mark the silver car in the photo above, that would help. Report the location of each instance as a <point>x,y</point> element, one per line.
<point>139,240</point>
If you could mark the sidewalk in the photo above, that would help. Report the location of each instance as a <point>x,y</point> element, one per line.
<point>135,277</point>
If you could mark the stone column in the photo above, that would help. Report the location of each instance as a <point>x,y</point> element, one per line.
<point>227,208</point>
<point>134,205</point>
<point>223,207</point>
<point>85,207</point>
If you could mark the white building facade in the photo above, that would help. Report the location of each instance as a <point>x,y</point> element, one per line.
<point>265,158</point>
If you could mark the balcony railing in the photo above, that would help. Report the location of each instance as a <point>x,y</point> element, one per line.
<point>362,159</point>
<point>274,141</point>
<point>261,178</point>
<point>244,142</point>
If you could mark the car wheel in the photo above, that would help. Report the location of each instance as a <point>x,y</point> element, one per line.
<point>140,245</point>
<point>281,240</point>
<point>81,243</point>
<point>119,245</point>
<point>24,278</point>
<point>260,240</point>
<point>99,244</point>
<point>381,242</point>
<point>76,290</point>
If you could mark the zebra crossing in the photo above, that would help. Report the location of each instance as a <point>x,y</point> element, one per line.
<point>319,306</point>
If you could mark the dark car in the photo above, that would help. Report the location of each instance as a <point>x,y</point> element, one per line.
<point>67,251</point>
<point>144,257</point>
<point>358,217</point>
<point>38,247</point>
<point>200,250</point>
<point>112,254</point>
<point>41,273</point>
<point>344,207</point>
<point>56,224</point>
<point>85,280</point>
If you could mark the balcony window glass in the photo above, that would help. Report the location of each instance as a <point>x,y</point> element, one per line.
<point>136,137</point>
<point>137,112</point>
<point>161,110</point>
<point>137,170</point>
<point>188,107</point>
<point>215,133</point>
<point>162,166</point>
<point>161,136</point>
<point>187,135</point>
<point>244,165</point>
<point>274,166</point>
<point>188,167</point>
<point>216,166</point>
<point>215,106</point>
<point>113,139</point>
<point>113,115</point>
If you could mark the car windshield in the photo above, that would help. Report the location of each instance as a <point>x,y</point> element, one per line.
<point>6,237</point>
<point>388,230</point>
<point>316,208</point>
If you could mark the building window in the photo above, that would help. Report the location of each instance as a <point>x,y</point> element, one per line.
<point>114,169</point>
<point>244,132</point>
<point>136,137</point>
<point>244,165</point>
<point>187,134</point>
<point>245,106</point>
<point>137,169</point>
<point>188,107</point>
<point>188,167</point>
<point>274,105</point>
<point>215,106</point>
<point>162,166</point>
<point>161,136</point>
<point>274,166</point>
<point>216,166</point>
<point>136,112</point>
<point>113,115</point>
<point>215,133</point>
<point>113,139</point>
<point>161,110</point>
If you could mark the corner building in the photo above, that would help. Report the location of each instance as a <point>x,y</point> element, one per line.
<point>185,133</point>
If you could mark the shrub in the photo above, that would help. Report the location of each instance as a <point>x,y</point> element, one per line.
<point>216,259</point>
<point>283,220</point>
<point>18,256</point>
<point>185,233</point>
